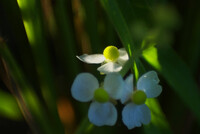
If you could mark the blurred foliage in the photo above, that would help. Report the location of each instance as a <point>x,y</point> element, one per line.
<point>39,41</point>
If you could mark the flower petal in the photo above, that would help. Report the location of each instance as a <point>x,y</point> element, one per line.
<point>102,114</point>
<point>149,84</point>
<point>123,56</point>
<point>128,90</point>
<point>109,67</point>
<point>135,115</point>
<point>114,85</point>
<point>92,59</point>
<point>83,87</point>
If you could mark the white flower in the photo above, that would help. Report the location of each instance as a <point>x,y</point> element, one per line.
<point>112,59</point>
<point>136,112</point>
<point>86,88</point>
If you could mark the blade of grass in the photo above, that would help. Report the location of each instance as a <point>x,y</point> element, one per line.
<point>9,107</point>
<point>32,18</point>
<point>14,32</point>
<point>26,97</point>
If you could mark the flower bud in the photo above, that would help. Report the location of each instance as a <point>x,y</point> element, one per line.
<point>111,53</point>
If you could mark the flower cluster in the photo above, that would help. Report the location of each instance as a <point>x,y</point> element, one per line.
<point>136,112</point>
<point>104,96</point>
<point>86,88</point>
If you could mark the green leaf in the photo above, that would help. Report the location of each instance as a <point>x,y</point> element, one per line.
<point>9,107</point>
<point>15,33</point>
<point>177,74</point>
<point>29,102</point>
<point>33,22</point>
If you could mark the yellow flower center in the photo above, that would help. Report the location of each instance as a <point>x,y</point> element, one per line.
<point>111,53</point>
<point>101,95</point>
<point>139,97</point>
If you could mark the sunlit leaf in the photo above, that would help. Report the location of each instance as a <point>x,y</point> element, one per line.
<point>9,107</point>
<point>177,74</point>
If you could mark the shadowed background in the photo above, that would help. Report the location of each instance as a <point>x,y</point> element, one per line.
<point>39,41</point>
